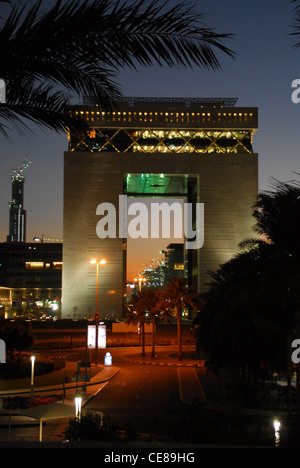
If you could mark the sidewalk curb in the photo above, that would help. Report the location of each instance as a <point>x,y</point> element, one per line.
<point>105,375</point>
<point>150,361</point>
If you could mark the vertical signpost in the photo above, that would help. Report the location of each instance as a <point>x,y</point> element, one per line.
<point>97,316</point>
<point>96,337</point>
<point>2,91</point>
<point>2,351</point>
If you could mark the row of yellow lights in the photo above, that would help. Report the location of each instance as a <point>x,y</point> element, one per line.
<point>235,114</point>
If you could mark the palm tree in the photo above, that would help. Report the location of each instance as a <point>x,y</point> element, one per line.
<point>52,58</point>
<point>248,294</point>
<point>156,307</point>
<point>276,213</point>
<point>247,319</point>
<point>135,313</point>
<point>178,295</point>
<point>277,216</point>
<point>149,303</point>
<point>297,23</point>
<point>263,281</point>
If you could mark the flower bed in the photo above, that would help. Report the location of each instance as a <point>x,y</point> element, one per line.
<point>22,402</point>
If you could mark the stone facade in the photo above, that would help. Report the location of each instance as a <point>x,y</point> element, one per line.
<point>224,174</point>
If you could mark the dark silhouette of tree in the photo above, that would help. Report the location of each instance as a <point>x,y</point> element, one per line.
<point>135,313</point>
<point>251,310</point>
<point>247,320</point>
<point>148,305</point>
<point>179,295</point>
<point>277,216</point>
<point>91,427</point>
<point>53,57</point>
<point>17,336</point>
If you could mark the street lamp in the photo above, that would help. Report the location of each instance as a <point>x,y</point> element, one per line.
<point>78,402</point>
<point>277,432</point>
<point>97,262</point>
<point>97,316</point>
<point>32,378</point>
<point>140,279</point>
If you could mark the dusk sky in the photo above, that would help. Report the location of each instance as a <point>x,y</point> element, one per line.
<point>260,76</point>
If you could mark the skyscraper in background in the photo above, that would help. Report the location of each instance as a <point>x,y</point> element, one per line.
<point>17,213</point>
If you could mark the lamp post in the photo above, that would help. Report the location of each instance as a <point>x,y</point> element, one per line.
<point>141,327</point>
<point>97,316</point>
<point>32,378</point>
<point>78,402</point>
<point>140,280</point>
<point>277,432</point>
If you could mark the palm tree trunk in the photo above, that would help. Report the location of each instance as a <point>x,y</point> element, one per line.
<point>297,397</point>
<point>289,378</point>
<point>179,345</point>
<point>153,337</point>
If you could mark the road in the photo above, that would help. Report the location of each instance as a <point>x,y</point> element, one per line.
<point>145,397</point>
<point>149,399</point>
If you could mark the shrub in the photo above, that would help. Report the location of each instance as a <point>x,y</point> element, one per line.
<point>91,427</point>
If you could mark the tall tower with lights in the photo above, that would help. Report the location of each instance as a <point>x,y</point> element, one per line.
<point>17,214</point>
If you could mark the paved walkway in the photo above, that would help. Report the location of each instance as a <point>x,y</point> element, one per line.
<point>69,391</point>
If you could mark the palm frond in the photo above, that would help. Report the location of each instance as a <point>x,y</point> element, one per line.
<point>42,105</point>
<point>113,35</point>
<point>80,46</point>
<point>296,26</point>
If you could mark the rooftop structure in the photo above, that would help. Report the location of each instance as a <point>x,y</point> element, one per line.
<point>168,126</point>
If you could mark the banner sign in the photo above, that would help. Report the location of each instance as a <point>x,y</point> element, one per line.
<point>91,336</point>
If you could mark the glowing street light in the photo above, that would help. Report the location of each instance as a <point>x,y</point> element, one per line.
<point>78,402</point>
<point>32,370</point>
<point>140,280</point>
<point>277,432</point>
<point>97,262</point>
<point>32,378</point>
<point>97,316</point>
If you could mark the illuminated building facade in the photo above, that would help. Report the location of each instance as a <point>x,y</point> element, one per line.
<point>174,260</point>
<point>30,276</point>
<point>198,150</point>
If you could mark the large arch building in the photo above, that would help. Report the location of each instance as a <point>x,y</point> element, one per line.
<point>199,150</point>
